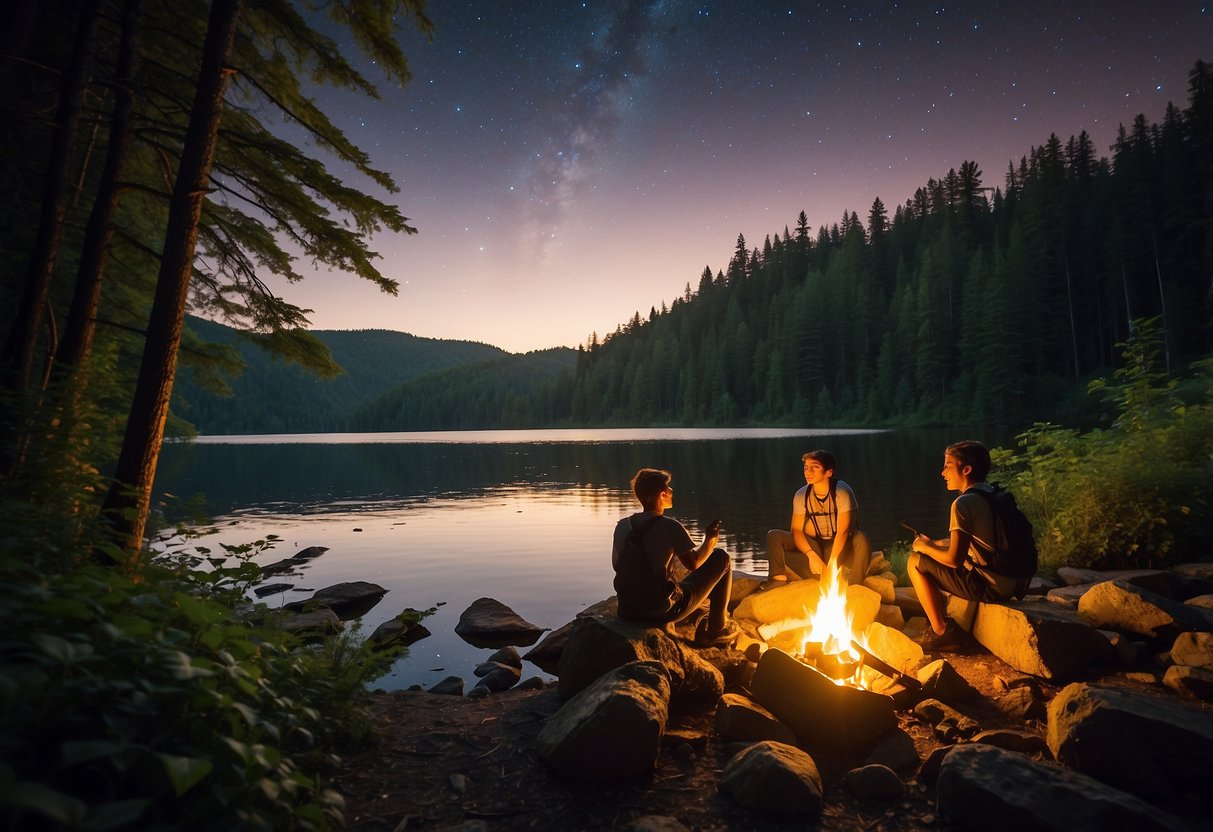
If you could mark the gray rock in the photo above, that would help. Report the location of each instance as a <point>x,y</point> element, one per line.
<point>450,686</point>
<point>612,729</point>
<point>897,751</point>
<point>490,623</point>
<point>907,599</point>
<point>598,645</point>
<point>1153,746</point>
<point>1190,682</point>
<point>270,589</point>
<point>1193,650</point>
<point>941,681</point>
<point>351,599</point>
<point>987,788</point>
<point>1195,570</point>
<point>320,621</point>
<point>394,630</point>
<point>1202,601</point>
<point>1121,606</point>
<point>875,782</point>
<point>740,719</point>
<point>655,823</point>
<point>507,655</point>
<point>531,683</point>
<point>1022,703</point>
<point>1039,638</point>
<point>772,778</point>
<point>1025,742</point>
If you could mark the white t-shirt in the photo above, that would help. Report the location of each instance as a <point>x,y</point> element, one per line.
<point>821,516</point>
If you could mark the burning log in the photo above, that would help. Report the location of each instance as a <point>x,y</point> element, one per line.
<point>820,712</point>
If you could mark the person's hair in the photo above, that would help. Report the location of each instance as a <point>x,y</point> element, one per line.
<point>974,454</point>
<point>826,460</point>
<point>648,484</point>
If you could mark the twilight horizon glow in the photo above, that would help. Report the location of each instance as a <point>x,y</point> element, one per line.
<point>569,164</point>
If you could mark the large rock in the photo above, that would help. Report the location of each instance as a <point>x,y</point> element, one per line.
<point>1154,747</point>
<point>987,788</point>
<point>1193,650</point>
<point>894,647</point>
<point>1191,682</point>
<point>823,715</point>
<point>612,729</point>
<point>795,600</point>
<point>941,681</point>
<point>1121,606</point>
<point>546,654</point>
<point>490,623</point>
<point>349,600</point>
<point>740,719</point>
<point>1037,637</point>
<point>598,645</point>
<point>774,779</point>
<point>316,621</point>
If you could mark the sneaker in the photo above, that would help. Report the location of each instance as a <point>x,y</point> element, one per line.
<point>723,637</point>
<point>951,637</point>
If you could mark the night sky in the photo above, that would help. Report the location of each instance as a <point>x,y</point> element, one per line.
<point>570,163</point>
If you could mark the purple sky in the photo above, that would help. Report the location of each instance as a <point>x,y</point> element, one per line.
<point>570,163</point>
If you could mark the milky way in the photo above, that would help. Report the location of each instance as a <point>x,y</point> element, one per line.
<point>569,164</point>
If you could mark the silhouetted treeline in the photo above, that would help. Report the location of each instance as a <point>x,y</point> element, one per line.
<point>971,304</point>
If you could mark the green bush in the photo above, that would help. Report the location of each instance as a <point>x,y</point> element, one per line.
<point>147,701</point>
<point>1131,495</point>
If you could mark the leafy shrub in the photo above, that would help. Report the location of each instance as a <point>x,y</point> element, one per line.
<point>146,700</point>
<point>1131,495</point>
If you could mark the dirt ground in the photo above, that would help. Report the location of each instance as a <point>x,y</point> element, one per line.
<point>442,761</point>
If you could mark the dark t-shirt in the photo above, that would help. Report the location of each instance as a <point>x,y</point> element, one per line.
<point>642,580</point>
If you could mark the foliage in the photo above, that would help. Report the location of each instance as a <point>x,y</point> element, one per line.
<point>1122,496</point>
<point>154,699</point>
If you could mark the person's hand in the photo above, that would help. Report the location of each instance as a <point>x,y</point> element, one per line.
<point>919,541</point>
<point>714,528</point>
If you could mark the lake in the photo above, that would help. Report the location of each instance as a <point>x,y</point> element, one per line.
<point>524,517</point>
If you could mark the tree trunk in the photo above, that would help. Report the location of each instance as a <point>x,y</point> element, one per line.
<point>18,356</point>
<point>126,504</point>
<point>77,342</point>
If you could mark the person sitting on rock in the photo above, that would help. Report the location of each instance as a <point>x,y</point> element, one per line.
<point>824,528</point>
<point>642,552</point>
<point>946,565</point>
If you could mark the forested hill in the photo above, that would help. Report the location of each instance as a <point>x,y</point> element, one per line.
<point>274,396</point>
<point>514,391</point>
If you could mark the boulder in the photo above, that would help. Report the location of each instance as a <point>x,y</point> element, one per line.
<point>450,686</point>
<point>1025,742</point>
<point>490,623</point>
<point>893,647</point>
<point>500,677</point>
<point>1190,682</point>
<point>882,586</point>
<point>906,598</point>
<point>823,715</point>
<point>316,621</point>
<point>941,681</point>
<point>772,778</point>
<point>1202,601</point>
<point>1036,637</point>
<point>1193,650</point>
<point>897,751</point>
<point>351,599</point>
<point>394,630</point>
<point>1145,744</point>
<point>740,719</point>
<point>1121,606</point>
<point>612,729</point>
<point>987,788</point>
<point>875,782</point>
<point>891,615</point>
<point>598,645</point>
<point>936,713</point>
<point>792,601</point>
<point>1022,703</point>
<point>292,563</point>
<point>1203,571</point>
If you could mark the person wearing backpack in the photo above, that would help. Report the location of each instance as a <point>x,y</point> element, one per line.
<point>824,528</point>
<point>969,562</point>
<point>642,552</point>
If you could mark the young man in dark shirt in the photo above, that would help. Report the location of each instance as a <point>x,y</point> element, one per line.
<point>644,582</point>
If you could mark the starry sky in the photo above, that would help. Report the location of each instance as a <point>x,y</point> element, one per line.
<point>568,164</point>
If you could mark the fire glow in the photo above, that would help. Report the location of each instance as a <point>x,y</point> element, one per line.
<point>830,640</point>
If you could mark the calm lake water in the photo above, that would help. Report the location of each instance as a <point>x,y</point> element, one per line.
<point>523,516</point>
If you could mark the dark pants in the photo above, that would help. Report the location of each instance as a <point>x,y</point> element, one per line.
<point>713,580</point>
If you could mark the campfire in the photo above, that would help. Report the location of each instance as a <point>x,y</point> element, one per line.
<point>823,678</point>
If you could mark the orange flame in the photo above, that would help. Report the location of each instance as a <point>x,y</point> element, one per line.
<point>830,624</point>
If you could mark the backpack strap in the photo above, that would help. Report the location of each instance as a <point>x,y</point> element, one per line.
<point>989,498</point>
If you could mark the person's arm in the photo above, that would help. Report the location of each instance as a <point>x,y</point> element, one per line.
<point>949,551</point>
<point>797,529</point>
<point>694,558</point>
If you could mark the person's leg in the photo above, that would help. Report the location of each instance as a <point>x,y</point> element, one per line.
<point>928,593</point>
<point>713,580</point>
<point>785,561</point>
<point>861,557</point>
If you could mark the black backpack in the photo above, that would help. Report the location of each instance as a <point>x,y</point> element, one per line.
<point>640,589</point>
<point>1014,552</point>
